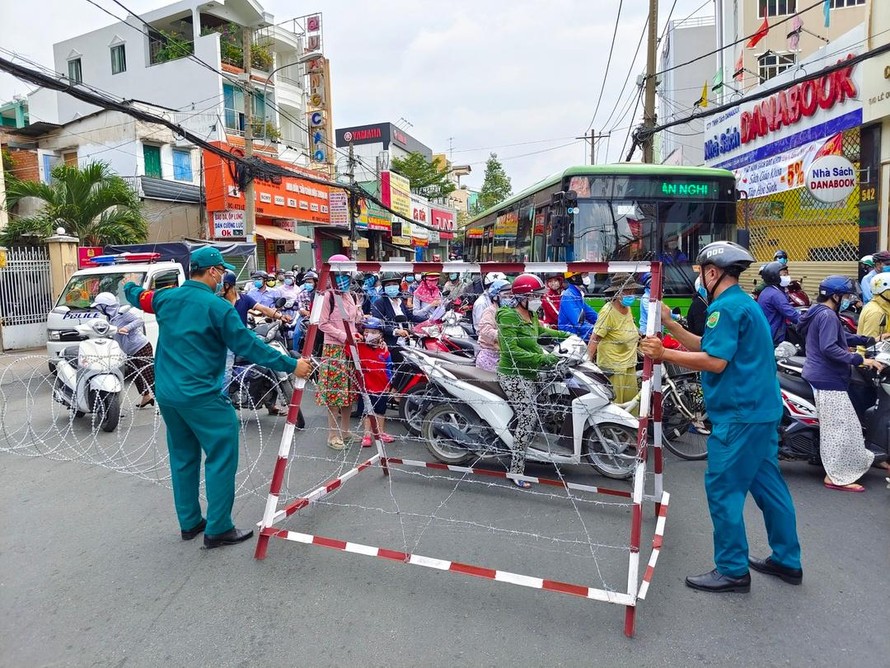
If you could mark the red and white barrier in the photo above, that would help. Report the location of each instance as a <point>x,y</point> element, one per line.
<point>650,419</point>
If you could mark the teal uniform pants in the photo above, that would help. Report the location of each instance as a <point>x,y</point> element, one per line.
<point>743,458</point>
<point>211,426</point>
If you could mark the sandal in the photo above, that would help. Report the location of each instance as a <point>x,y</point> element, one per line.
<point>852,487</point>
<point>522,484</point>
<point>336,443</point>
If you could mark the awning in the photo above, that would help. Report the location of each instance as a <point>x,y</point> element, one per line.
<point>347,242</point>
<point>278,234</point>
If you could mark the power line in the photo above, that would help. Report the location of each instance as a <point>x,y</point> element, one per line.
<point>606,71</point>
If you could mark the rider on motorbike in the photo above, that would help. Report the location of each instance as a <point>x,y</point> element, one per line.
<point>827,368</point>
<point>879,261</point>
<point>575,315</point>
<point>489,351</point>
<point>774,301</point>
<point>874,320</point>
<point>521,359</point>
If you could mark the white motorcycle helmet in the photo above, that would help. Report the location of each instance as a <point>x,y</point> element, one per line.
<point>106,303</point>
<point>493,276</point>
<point>880,284</point>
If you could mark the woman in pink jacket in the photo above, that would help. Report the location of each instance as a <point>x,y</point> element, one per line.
<point>334,388</point>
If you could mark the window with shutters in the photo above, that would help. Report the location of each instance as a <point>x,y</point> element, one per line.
<point>152,156</point>
<point>182,165</point>
<point>776,8</point>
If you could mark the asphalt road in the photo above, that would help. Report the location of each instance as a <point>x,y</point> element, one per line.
<point>93,572</point>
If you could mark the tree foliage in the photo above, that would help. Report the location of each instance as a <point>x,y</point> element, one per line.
<point>425,176</point>
<point>91,203</point>
<point>495,185</point>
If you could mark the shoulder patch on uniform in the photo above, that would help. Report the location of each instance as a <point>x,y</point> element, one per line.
<point>713,319</point>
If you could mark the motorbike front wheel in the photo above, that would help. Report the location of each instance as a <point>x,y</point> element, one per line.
<point>615,454</point>
<point>107,409</point>
<point>439,445</point>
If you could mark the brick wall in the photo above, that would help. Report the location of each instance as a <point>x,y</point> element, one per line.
<point>25,165</point>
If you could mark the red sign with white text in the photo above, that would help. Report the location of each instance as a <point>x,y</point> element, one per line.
<point>442,220</point>
<point>291,198</point>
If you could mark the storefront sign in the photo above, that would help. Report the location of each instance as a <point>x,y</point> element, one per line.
<point>443,221</point>
<point>276,196</point>
<point>228,224</point>
<point>364,134</point>
<point>420,213</point>
<point>474,233</point>
<point>395,192</point>
<point>339,208</point>
<point>831,178</point>
<point>796,114</point>
<point>785,171</point>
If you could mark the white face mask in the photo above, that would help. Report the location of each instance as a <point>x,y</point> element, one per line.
<point>784,281</point>
<point>586,281</point>
<point>534,305</point>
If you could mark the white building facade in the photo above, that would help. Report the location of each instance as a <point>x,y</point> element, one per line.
<point>679,90</point>
<point>187,57</point>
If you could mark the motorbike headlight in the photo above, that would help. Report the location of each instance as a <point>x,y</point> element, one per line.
<point>53,335</point>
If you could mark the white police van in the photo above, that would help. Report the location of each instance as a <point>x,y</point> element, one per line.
<point>107,275</point>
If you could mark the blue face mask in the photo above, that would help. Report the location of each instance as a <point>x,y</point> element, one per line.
<point>409,279</point>
<point>845,304</point>
<point>308,287</point>
<point>288,281</point>
<point>452,277</point>
<point>628,300</point>
<point>886,269</point>
<point>258,284</point>
<point>391,291</point>
<point>343,283</point>
<point>782,260</point>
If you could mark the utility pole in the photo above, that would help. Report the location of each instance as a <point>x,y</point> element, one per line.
<point>649,95</point>
<point>593,137</point>
<point>249,194</point>
<point>352,201</point>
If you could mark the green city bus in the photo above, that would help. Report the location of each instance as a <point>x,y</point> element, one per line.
<point>623,212</point>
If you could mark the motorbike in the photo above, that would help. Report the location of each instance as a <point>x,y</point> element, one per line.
<point>253,386</point>
<point>90,376</point>
<point>796,294</point>
<point>799,428</point>
<point>470,419</point>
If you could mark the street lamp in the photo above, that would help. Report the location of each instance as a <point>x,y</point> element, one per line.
<point>301,60</point>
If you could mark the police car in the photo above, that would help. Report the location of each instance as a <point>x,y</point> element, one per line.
<point>106,275</point>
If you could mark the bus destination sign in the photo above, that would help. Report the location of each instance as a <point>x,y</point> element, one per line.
<point>692,190</point>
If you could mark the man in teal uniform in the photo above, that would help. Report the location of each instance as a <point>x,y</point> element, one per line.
<point>741,393</point>
<point>196,328</point>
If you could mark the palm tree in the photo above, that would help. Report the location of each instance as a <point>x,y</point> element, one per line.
<point>91,203</point>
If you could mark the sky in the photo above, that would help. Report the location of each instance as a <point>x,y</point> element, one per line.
<point>520,78</point>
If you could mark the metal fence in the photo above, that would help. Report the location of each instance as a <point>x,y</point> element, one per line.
<point>807,229</point>
<point>25,290</point>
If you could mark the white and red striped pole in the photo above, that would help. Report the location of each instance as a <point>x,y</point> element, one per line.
<point>293,410</point>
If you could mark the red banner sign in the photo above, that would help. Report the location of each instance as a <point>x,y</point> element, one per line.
<point>286,197</point>
<point>443,220</point>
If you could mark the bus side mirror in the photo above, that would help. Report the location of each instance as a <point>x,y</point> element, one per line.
<point>743,238</point>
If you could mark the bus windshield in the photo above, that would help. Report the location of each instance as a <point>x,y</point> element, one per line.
<point>672,232</point>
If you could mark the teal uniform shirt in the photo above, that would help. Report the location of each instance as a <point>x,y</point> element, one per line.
<point>196,327</point>
<point>747,391</point>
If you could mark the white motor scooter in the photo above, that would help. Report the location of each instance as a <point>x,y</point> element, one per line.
<point>467,416</point>
<point>90,376</point>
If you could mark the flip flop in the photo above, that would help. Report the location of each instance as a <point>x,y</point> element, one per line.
<point>522,484</point>
<point>845,488</point>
